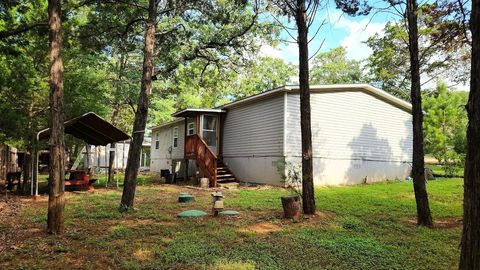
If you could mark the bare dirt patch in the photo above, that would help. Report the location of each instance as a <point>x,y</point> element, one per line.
<point>12,232</point>
<point>308,220</point>
<point>143,254</point>
<point>261,228</point>
<point>448,223</point>
<point>10,206</point>
<point>135,222</point>
<point>442,223</point>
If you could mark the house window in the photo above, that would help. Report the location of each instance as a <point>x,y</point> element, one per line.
<point>191,128</point>
<point>175,137</point>
<point>157,140</point>
<point>209,130</point>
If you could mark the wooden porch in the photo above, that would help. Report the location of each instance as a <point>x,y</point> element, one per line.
<point>211,165</point>
<point>203,144</point>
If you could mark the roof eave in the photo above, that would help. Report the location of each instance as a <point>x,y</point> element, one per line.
<point>191,111</point>
<point>178,120</point>
<point>334,87</point>
<point>257,96</point>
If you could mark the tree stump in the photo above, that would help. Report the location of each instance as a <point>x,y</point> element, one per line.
<point>291,206</point>
<point>429,174</point>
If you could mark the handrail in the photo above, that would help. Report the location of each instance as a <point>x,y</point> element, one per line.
<point>196,148</point>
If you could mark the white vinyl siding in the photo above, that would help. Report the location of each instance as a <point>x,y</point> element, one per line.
<point>359,136</point>
<point>177,152</point>
<point>161,157</point>
<point>255,129</point>
<point>351,125</point>
<point>164,142</point>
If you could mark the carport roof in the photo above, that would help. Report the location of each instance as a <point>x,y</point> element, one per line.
<point>90,128</point>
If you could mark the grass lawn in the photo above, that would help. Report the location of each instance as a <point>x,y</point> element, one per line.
<point>360,227</point>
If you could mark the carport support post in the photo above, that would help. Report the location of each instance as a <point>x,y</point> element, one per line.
<point>36,171</point>
<point>185,149</point>
<point>35,153</point>
<point>89,163</point>
<point>33,161</point>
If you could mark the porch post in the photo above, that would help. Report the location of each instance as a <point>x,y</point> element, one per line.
<point>185,149</point>
<point>197,125</point>
<point>220,136</point>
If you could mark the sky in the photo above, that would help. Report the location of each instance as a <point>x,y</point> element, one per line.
<point>339,30</point>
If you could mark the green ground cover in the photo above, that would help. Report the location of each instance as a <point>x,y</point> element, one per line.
<point>359,227</point>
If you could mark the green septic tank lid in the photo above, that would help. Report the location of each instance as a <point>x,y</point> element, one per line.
<point>191,213</point>
<point>185,197</point>
<point>229,213</point>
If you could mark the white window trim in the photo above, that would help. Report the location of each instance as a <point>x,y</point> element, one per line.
<point>175,130</point>
<point>157,140</point>
<point>202,122</point>
<point>192,128</point>
<point>202,129</point>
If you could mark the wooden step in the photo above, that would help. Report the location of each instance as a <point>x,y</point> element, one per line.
<point>224,175</point>
<point>233,179</point>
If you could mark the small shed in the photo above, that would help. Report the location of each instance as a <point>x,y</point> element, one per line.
<point>9,161</point>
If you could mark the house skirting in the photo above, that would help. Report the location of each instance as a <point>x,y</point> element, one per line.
<point>261,170</point>
<point>326,172</point>
<point>337,172</point>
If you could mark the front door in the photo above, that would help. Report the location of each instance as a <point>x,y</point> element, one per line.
<point>209,131</point>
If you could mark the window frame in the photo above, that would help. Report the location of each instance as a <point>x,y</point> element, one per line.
<point>157,140</point>
<point>214,131</point>
<point>191,129</point>
<point>175,137</point>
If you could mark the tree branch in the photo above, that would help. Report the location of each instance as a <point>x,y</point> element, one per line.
<point>21,29</point>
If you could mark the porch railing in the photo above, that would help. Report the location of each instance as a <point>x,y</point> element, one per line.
<point>196,148</point>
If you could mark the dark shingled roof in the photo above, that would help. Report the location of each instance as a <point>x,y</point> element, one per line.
<point>90,128</point>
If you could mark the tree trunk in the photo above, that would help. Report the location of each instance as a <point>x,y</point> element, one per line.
<point>133,160</point>
<point>56,198</point>
<point>27,170</point>
<point>27,165</point>
<point>470,254</point>
<point>88,160</point>
<point>424,216</point>
<point>308,197</point>
<point>111,158</point>
<point>34,184</point>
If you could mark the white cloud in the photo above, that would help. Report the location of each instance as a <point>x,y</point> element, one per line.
<point>291,51</point>
<point>270,51</point>
<point>358,32</point>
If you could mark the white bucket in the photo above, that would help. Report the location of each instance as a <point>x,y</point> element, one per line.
<point>204,182</point>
